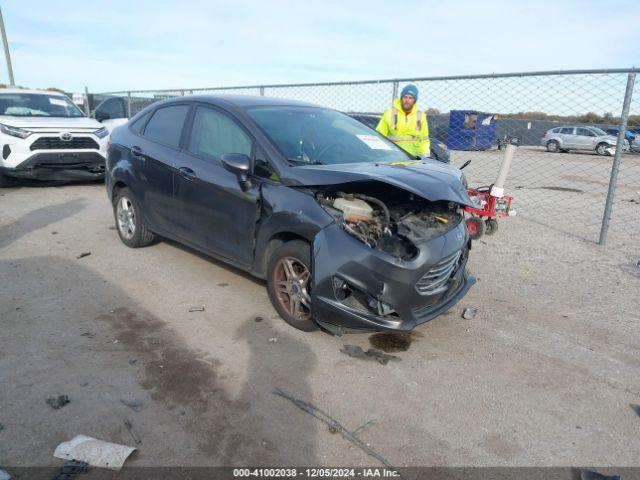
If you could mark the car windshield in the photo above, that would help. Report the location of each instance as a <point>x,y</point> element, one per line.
<point>307,135</point>
<point>37,105</point>
<point>598,131</point>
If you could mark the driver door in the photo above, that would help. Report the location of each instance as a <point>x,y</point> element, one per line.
<point>216,215</point>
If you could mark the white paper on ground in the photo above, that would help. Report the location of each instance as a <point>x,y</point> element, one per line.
<point>373,142</point>
<point>96,453</point>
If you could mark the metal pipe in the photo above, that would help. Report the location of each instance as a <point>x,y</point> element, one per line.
<point>7,55</point>
<point>615,168</point>
<point>497,190</point>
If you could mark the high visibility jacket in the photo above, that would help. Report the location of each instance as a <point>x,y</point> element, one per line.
<point>410,132</point>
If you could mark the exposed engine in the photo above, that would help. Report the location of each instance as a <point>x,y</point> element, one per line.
<point>389,219</point>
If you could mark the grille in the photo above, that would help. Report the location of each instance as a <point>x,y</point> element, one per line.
<point>435,280</point>
<point>54,143</point>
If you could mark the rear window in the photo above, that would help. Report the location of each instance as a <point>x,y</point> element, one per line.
<point>166,125</point>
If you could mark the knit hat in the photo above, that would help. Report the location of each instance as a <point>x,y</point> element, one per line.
<point>410,89</point>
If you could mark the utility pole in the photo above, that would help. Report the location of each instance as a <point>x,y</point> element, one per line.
<point>7,56</point>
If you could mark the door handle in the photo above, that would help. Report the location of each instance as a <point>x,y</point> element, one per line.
<point>187,173</point>
<point>136,151</point>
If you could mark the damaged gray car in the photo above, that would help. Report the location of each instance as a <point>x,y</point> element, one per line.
<point>349,231</point>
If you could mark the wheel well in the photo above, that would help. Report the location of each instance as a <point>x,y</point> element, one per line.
<point>116,189</point>
<point>275,242</point>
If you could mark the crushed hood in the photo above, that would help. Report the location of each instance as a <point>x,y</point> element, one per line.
<point>429,179</point>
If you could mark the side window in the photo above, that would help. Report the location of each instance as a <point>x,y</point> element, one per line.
<point>166,124</point>
<point>567,131</point>
<point>214,134</point>
<point>138,124</point>
<point>585,132</point>
<point>112,108</point>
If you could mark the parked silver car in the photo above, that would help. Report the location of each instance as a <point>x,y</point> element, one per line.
<point>563,139</point>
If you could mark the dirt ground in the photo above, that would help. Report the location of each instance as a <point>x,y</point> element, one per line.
<point>544,375</point>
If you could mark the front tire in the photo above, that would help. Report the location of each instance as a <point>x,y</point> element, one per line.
<point>289,282</point>
<point>553,146</point>
<point>129,224</point>
<point>601,149</point>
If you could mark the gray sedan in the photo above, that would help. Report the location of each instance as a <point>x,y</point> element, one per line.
<point>563,139</point>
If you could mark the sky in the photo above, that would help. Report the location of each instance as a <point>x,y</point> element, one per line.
<point>123,45</point>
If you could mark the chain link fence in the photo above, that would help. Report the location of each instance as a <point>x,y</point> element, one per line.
<point>568,125</point>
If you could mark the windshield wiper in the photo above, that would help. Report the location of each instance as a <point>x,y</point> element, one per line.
<point>304,162</point>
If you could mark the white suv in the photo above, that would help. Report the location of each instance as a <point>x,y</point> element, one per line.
<point>44,136</point>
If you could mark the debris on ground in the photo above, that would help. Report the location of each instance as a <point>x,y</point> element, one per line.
<point>371,354</point>
<point>273,340</point>
<point>135,404</point>
<point>58,402</point>
<point>88,334</point>
<point>223,284</point>
<point>71,468</point>
<point>132,361</point>
<point>592,475</point>
<point>196,308</point>
<point>54,233</point>
<point>334,425</point>
<point>1,427</point>
<point>634,406</point>
<point>96,453</point>
<point>258,319</point>
<point>83,254</point>
<point>4,475</point>
<point>392,341</point>
<point>135,437</point>
<point>638,264</point>
<point>469,312</point>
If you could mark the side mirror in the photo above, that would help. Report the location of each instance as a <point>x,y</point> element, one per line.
<point>101,116</point>
<point>240,165</point>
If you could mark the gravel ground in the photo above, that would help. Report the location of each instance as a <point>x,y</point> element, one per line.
<point>544,374</point>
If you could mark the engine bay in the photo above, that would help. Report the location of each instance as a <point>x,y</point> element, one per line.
<point>388,218</point>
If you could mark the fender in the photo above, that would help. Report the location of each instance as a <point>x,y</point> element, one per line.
<point>278,221</point>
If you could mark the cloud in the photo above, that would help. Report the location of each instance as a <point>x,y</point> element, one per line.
<point>120,45</point>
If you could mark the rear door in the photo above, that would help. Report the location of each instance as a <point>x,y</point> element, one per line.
<point>215,214</point>
<point>155,155</point>
<point>567,134</point>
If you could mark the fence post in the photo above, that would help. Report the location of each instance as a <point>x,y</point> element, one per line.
<point>394,94</point>
<point>615,168</point>
<point>128,104</point>
<point>87,107</point>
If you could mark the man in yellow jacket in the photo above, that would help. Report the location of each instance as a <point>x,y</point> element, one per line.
<point>405,125</point>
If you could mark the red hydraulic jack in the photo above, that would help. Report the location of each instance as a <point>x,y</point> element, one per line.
<point>491,202</point>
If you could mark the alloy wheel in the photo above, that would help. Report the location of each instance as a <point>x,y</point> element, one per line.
<point>291,280</point>
<point>126,217</point>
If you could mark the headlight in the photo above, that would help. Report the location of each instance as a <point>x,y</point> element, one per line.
<point>101,133</point>
<point>14,131</point>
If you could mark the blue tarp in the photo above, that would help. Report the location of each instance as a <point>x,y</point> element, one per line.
<point>470,130</point>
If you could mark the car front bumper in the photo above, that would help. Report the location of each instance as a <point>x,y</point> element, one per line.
<point>388,284</point>
<point>59,166</point>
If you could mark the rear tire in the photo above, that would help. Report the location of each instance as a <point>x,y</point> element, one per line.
<point>288,284</point>
<point>553,146</point>
<point>476,227</point>
<point>129,224</point>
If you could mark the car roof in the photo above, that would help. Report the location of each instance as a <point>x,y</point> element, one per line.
<point>243,101</point>
<point>32,91</point>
